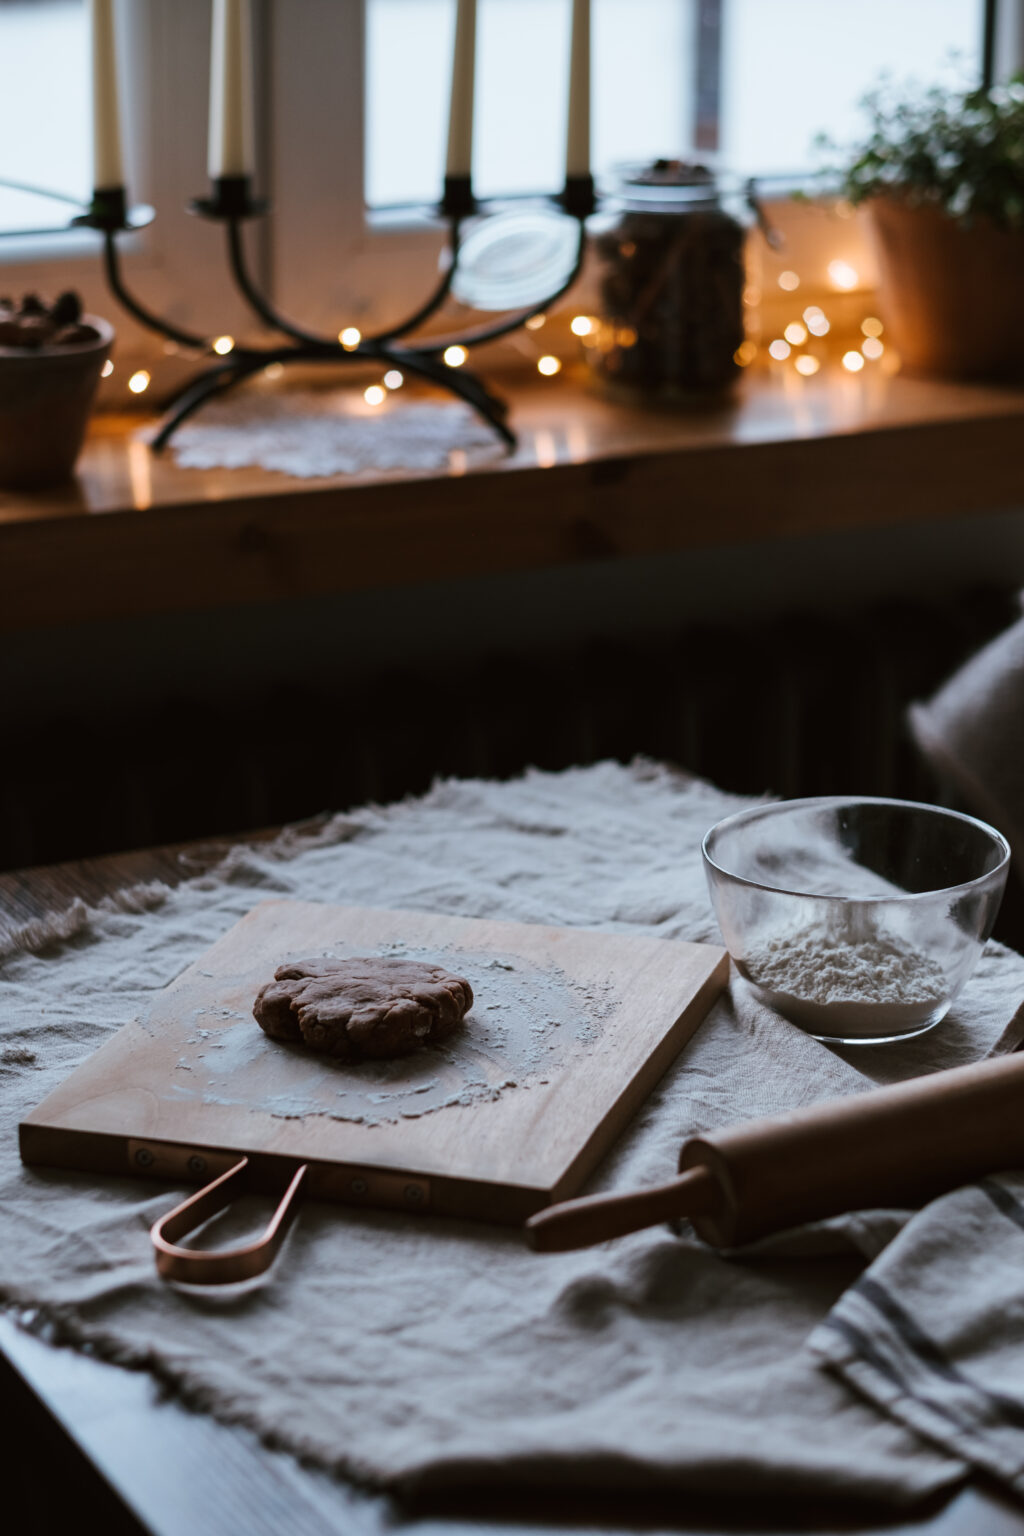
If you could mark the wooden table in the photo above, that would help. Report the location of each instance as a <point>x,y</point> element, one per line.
<point>84,1438</point>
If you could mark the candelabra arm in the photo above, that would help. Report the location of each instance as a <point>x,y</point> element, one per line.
<point>216,381</point>
<point>457,382</point>
<point>436,299</point>
<point>146,317</point>
<point>243,364</point>
<point>471,388</point>
<point>505,327</point>
<point>262,306</point>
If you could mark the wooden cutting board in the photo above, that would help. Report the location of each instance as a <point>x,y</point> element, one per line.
<point>569,1031</point>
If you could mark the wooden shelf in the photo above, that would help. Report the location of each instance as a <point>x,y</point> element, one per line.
<point>591,480</point>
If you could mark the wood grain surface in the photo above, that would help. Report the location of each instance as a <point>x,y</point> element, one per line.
<point>145,1102</point>
<point>590,481</point>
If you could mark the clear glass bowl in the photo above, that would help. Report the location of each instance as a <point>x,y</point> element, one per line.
<point>857,919</point>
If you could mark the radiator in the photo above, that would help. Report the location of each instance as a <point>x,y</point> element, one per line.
<point>801,706</point>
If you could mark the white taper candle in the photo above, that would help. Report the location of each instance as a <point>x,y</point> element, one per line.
<point>107,165</point>
<point>231,136</point>
<point>577,153</point>
<point>460,115</point>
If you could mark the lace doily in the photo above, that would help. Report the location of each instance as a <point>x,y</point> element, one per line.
<point>309,433</point>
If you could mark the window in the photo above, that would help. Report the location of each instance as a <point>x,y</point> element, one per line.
<point>793,68</point>
<point>44,109</point>
<point>176,265</point>
<point>754,80</point>
<point>642,78</point>
<point>352,104</point>
<point>751,81</point>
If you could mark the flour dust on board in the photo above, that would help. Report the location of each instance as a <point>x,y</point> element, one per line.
<point>525,1024</point>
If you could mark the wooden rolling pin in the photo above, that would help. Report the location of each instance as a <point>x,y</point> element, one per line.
<point>896,1146</point>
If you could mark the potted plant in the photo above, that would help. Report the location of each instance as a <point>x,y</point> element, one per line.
<point>51,358</point>
<point>941,175</point>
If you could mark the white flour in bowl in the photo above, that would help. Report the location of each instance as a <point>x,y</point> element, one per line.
<point>847,988</point>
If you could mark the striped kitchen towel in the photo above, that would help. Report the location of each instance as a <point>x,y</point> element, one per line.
<point>933,1331</point>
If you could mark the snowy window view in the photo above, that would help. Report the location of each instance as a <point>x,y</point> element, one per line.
<point>794,68</point>
<point>44,109</point>
<point>642,89</point>
<point>787,70</point>
<point>783,70</point>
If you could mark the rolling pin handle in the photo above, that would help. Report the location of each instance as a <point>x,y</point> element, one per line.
<point>195,1266</point>
<point>594,1219</point>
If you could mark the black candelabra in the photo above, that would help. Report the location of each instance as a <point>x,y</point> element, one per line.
<point>232,204</point>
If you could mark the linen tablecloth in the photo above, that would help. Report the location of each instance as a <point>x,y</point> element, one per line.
<point>411,1353</point>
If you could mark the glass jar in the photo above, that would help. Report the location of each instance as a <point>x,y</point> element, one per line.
<point>670,276</point>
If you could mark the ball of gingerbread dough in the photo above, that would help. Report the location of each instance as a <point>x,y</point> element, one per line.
<point>365,1008</point>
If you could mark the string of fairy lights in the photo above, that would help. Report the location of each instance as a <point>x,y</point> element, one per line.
<point>809,340</point>
<point>547,363</point>
<point>814,339</point>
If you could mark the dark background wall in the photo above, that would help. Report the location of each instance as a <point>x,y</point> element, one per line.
<point>781,667</point>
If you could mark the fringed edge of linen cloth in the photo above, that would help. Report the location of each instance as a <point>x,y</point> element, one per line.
<point>436,1481</point>
<point>43,933</point>
<point>40,934</point>
<point>58,1327</point>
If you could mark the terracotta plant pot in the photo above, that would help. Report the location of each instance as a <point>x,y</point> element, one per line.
<point>950,296</point>
<point>46,397</point>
